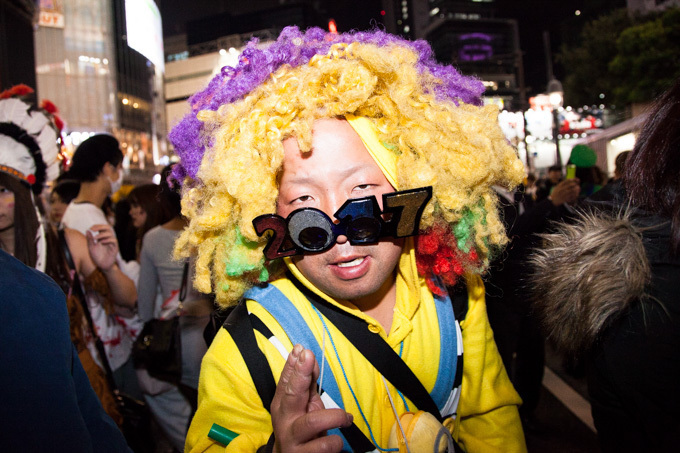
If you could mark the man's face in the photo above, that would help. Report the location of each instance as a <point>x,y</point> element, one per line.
<point>338,168</point>
<point>554,176</point>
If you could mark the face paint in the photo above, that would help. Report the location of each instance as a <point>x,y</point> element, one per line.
<point>310,230</point>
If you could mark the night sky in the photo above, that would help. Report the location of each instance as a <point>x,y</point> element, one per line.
<point>534,17</point>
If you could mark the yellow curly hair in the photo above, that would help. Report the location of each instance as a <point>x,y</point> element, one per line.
<point>458,149</point>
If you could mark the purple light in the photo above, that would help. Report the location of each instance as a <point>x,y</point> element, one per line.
<point>474,47</point>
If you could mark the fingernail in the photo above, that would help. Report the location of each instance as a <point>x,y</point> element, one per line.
<point>296,350</point>
<point>350,419</point>
<point>301,358</point>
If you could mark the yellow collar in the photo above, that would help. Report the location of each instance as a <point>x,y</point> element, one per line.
<point>411,288</point>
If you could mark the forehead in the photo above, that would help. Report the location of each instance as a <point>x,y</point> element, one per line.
<point>336,149</point>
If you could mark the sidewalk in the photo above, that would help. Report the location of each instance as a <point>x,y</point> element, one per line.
<point>563,420</point>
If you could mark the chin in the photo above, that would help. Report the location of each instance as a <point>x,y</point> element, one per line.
<point>350,290</point>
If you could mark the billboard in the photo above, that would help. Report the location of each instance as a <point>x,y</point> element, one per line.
<point>51,14</point>
<point>144,30</point>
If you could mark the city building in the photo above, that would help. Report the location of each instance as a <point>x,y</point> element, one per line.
<point>17,63</point>
<point>470,35</point>
<point>101,62</point>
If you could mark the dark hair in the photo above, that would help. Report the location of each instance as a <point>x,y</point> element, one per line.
<point>147,196</point>
<point>170,191</point>
<point>91,156</point>
<point>620,162</point>
<point>555,168</point>
<point>26,225</point>
<point>652,173</point>
<point>67,190</point>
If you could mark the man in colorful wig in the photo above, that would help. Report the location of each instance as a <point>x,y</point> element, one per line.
<point>338,188</point>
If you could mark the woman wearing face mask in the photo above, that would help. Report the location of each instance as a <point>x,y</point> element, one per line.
<point>97,164</point>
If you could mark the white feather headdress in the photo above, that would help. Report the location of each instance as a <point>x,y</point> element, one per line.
<point>28,150</point>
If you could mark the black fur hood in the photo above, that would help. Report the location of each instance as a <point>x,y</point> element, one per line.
<point>589,271</point>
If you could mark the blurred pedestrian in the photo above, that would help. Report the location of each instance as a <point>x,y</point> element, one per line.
<point>172,405</point>
<point>608,286</point>
<point>520,341</point>
<point>47,401</point>
<point>147,210</point>
<point>614,190</point>
<point>61,195</point>
<point>589,174</point>
<point>544,186</point>
<point>97,164</point>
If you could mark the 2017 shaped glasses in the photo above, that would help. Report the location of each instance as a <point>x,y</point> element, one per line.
<point>309,230</point>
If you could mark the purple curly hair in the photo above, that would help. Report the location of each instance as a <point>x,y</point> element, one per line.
<point>295,48</point>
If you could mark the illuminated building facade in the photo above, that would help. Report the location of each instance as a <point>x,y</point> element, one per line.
<point>469,35</point>
<point>101,62</point>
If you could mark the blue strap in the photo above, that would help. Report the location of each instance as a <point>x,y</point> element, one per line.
<point>448,351</point>
<point>292,322</point>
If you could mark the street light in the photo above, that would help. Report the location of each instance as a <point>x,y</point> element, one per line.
<point>556,97</point>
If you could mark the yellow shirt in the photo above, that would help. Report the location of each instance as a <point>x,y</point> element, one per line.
<point>487,419</point>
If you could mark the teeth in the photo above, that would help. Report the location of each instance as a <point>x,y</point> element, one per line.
<point>354,262</point>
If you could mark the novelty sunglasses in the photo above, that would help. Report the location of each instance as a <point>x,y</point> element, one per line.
<point>310,230</point>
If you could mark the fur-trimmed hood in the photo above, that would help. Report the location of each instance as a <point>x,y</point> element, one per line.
<point>587,273</point>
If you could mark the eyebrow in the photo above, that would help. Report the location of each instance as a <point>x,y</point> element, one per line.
<point>345,173</point>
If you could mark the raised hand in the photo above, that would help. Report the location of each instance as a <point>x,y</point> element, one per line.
<point>299,418</point>
<point>566,191</point>
<point>102,245</point>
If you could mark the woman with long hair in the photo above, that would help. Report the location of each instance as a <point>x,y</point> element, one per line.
<point>28,158</point>
<point>172,405</point>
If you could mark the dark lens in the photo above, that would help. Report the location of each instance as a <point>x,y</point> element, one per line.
<point>313,238</point>
<point>364,229</point>
<point>310,229</point>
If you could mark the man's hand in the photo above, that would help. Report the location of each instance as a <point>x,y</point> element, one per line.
<point>299,418</point>
<point>103,246</point>
<point>566,191</point>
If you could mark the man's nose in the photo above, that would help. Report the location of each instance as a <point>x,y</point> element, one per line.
<point>330,206</point>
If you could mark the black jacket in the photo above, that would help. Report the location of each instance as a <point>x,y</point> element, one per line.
<point>610,293</point>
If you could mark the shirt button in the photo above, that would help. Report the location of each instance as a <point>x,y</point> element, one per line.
<point>374,329</point>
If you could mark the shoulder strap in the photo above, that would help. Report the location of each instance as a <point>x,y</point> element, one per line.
<point>375,350</point>
<point>77,289</point>
<point>459,298</point>
<point>241,330</point>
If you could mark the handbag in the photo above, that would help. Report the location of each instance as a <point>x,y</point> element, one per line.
<point>136,414</point>
<point>158,348</point>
